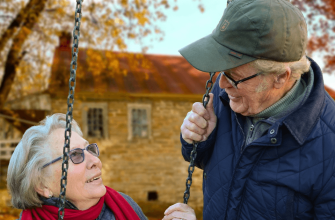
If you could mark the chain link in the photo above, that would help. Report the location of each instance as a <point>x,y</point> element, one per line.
<point>69,114</point>
<point>205,100</point>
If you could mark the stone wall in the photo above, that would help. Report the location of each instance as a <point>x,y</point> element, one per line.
<point>139,166</point>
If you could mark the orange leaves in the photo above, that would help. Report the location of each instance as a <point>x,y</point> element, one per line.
<point>201,8</point>
<point>121,44</point>
<point>142,17</point>
<point>131,36</point>
<point>165,3</point>
<point>124,3</point>
<point>119,21</point>
<point>315,43</point>
<point>102,64</point>
<point>320,17</point>
<point>115,32</point>
<point>96,62</point>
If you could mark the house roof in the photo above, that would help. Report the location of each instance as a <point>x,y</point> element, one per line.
<point>108,72</point>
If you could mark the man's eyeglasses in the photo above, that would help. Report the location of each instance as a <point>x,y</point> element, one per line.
<point>77,155</point>
<point>235,83</point>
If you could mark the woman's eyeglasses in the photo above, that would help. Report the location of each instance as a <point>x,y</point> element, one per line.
<point>77,155</point>
<point>235,83</point>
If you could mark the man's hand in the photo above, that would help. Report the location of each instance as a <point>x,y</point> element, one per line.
<point>179,211</point>
<point>200,122</point>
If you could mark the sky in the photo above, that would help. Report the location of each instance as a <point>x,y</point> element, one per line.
<point>188,24</point>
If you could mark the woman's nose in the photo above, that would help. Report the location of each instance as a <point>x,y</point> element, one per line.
<point>92,161</point>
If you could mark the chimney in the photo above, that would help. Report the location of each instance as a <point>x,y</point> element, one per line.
<point>65,40</point>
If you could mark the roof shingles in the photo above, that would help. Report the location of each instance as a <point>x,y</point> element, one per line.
<point>145,74</point>
<point>163,75</point>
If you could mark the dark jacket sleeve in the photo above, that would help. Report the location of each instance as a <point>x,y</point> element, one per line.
<point>205,148</point>
<point>324,204</point>
<point>134,205</point>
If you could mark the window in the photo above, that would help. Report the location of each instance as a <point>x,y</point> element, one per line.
<point>139,121</point>
<point>95,126</point>
<point>95,120</point>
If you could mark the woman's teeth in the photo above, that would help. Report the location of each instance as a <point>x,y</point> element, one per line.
<point>91,180</point>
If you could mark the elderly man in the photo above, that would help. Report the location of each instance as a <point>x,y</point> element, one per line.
<point>267,136</point>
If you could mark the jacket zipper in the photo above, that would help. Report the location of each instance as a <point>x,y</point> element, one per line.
<point>239,125</point>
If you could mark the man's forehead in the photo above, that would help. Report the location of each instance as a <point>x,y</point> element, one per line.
<point>242,68</point>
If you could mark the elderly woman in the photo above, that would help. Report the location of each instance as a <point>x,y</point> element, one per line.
<point>34,174</point>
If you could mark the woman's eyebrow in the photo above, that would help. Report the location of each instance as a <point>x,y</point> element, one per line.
<point>79,146</point>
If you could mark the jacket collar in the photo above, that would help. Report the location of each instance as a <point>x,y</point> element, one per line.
<point>300,122</point>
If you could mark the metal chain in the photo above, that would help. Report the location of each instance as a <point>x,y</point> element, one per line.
<point>205,100</point>
<point>69,114</point>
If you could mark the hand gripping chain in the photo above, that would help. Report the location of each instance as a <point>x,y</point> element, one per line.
<point>205,100</point>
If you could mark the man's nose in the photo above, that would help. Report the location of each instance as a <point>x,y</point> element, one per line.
<point>224,82</point>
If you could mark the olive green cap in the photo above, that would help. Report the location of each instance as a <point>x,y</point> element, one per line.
<point>249,30</point>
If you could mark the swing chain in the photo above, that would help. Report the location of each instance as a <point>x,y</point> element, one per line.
<point>69,115</point>
<point>205,100</point>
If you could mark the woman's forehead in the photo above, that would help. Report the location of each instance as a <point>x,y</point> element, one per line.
<point>76,141</point>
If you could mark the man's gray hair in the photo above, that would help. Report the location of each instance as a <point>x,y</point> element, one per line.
<point>24,170</point>
<point>268,66</point>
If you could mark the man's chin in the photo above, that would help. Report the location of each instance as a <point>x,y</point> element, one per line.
<point>237,107</point>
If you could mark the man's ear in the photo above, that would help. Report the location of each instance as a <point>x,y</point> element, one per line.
<point>44,191</point>
<point>282,78</point>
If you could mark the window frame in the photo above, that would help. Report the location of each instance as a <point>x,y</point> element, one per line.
<point>104,107</point>
<point>146,107</point>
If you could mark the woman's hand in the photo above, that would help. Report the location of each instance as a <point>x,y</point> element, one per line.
<point>179,211</point>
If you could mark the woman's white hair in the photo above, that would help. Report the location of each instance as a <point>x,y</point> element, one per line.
<point>24,170</point>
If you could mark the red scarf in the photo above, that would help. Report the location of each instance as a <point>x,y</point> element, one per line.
<point>120,207</point>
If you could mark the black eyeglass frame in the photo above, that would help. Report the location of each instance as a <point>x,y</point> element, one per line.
<point>242,80</point>
<point>82,152</point>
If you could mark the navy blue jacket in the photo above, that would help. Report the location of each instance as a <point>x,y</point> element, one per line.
<point>289,174</point>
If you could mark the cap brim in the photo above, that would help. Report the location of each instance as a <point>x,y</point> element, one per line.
<point>207,55</point>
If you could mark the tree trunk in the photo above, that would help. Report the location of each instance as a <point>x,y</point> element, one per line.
<point>15,54</point>
<point>16,23</point>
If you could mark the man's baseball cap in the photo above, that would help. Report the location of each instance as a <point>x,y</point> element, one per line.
<point>249,30</point>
